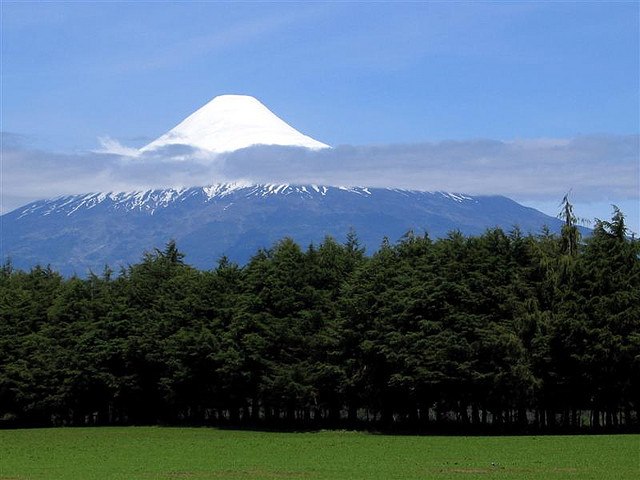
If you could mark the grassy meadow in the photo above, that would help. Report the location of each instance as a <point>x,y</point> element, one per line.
<point>203,453</point>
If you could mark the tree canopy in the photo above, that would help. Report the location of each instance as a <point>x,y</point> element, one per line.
<point>501,331</point>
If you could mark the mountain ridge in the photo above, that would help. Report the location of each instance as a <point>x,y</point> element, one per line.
<point>151,199</point>
<point>78,233</point>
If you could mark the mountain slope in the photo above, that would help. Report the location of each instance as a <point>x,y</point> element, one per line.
<point>232,122</point>
<point>80,232</point>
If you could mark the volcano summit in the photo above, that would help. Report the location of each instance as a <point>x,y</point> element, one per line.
<point>231,122</point>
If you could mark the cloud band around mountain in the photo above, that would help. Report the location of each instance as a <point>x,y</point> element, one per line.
<point>598,168</point>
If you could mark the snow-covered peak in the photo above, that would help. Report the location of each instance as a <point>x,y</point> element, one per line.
<point>232,122</point>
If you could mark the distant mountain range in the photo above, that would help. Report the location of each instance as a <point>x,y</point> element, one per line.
<point>76,233</point>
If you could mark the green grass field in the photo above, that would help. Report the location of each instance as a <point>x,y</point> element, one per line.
<point>203,453</point>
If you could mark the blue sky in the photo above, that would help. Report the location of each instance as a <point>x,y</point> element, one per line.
<point>344,73</point>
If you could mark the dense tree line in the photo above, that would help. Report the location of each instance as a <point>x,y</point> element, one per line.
<point>502,331</point>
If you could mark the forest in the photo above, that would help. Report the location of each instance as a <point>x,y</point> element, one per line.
<point>502,332</point>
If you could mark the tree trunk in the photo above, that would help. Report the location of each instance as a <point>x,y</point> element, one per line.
<point>475,414</point>
<point>595,419</point>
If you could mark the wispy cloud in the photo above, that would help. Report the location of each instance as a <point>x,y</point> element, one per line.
<point>176,53</point>
<point>111,146</point>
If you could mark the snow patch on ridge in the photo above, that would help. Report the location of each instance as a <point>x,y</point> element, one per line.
<point>223,189</point>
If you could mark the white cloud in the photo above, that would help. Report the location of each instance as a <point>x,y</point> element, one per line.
<point>111,146</point>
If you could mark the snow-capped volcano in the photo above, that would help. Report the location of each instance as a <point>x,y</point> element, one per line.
<point>232,122</point>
